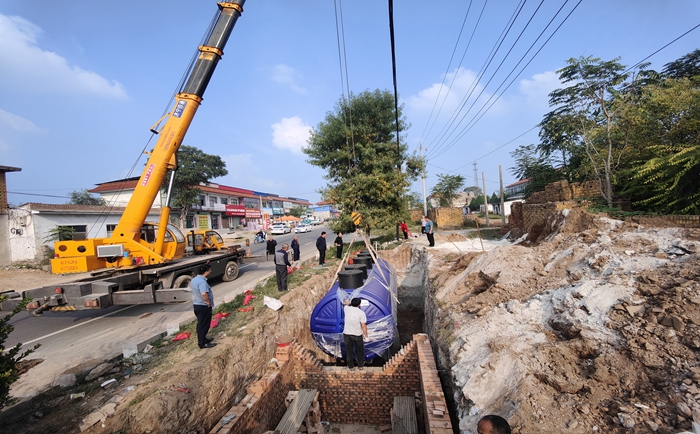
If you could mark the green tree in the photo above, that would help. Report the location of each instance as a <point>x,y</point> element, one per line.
<point>665,172</point>
<point>366,171</point>
<point>83,197</point>
<point>591,107</point>
<point>530,164</point>
<point>297,211</point>
<point>194,167</point>
<point>687,66</point>
<point>447,188</point>
<point>415,200</point>
<point>9,358</point>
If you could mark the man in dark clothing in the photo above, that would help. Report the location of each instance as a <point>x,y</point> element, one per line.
<point>492,424</point>
<point>321,246</point>
<point>281,264</point>
<point>339,245</point>
<point>271,244</point>
<point>295,248</point>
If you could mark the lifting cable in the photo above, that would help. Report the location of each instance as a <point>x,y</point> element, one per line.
<point>396,93</point>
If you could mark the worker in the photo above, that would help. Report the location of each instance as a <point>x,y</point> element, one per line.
<point>321,247</point>
<point>429,227</point>
<point>339,245</point>
<point>353,332</point>
<point>281,264</point>
<point>271,244</point>
<point>492,424</point>
<point>203,302</point>
<point>295,248</point>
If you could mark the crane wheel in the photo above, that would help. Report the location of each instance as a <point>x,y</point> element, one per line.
<point>182,281</point>
<point>230,272</point>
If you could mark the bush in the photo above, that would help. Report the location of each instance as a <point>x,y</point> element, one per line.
<point>10,358</point>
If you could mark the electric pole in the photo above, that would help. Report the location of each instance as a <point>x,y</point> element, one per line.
<point>486,199</point>
<point>503,204</point>
<point>425,200</point>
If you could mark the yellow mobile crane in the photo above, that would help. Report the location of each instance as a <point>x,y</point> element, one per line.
<point>140,259</point>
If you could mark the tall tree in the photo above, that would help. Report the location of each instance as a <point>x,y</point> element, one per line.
<point>10,357</point>
<point>447,188</point>
<point>195,167</point>
<point>297,211</point>
<point>687,66</point>
<point>366,171</point>
<point>591,107</point>
<point>666,168</point>
<point>83,197</point>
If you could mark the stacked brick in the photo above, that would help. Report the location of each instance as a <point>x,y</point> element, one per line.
<point>312,421</point>
<point>353,397</point>
<point>435,415</point>
<point>447,217</point>
<point>562,191</point>
<point>534,214</point>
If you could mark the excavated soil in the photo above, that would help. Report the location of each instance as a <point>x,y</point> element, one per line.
<point>585,325</point>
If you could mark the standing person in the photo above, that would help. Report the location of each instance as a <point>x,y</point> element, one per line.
<point>422,224</point>
<point>281,264</point>
<point>271,244</point>
<point>429,227</point>
<point>321,246</point>
<point>404,229</point>
<point>339,245</point>
<point>202,301</point>
<point>295,248</point>
<point>355,328</point>
<point>492,424</point>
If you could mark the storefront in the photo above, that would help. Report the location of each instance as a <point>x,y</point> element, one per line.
<point>235,216</point>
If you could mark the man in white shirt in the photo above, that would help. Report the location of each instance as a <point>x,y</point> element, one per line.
<point>355,328</point>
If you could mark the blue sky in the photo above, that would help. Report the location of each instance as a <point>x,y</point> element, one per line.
<point>81,82</point>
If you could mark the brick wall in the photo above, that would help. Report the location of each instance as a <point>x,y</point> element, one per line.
<point>447,217</point>
<point>562,191</point>
<point>345,397</point>
<point>534,214</point>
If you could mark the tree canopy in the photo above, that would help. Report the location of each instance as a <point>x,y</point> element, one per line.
<point>195,167</point>
<point>636,133</point>
<point>447,188</point>
<point>367,171</point>
<point>83,197</point>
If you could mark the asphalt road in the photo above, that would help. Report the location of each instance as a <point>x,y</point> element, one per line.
<point>70,338</point>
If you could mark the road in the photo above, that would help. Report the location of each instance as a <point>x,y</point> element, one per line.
<point>70,338</point>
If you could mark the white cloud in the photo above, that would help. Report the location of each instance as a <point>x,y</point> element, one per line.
<point>243,171</point>
<point>18,123</point>
<point>290,134</point>
<point>457,86</point>
<point>537,89</point>
<point>26,66</point>
<point>289,76</point>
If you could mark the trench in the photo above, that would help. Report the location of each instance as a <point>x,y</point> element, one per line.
<point>417,313</point>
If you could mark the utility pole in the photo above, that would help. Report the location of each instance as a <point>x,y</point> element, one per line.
<point>486,199</point>
<point>425,200</point>
<point>476,176</point>
<point>503,204</point>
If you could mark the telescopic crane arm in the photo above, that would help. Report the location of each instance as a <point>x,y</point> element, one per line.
<point>111,252</point>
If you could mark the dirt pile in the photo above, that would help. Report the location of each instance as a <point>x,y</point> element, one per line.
<point>589,325</point>
<point>180,389</point>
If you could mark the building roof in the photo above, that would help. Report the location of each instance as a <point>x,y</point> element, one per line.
<point>10,169</point>
<point>118,185</point>
<point>63,207</point>
<point>522,181</point>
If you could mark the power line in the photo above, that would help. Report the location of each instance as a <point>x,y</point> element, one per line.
<point>640,62</point>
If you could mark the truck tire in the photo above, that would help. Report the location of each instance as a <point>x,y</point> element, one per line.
<point>230,272</point>
<point>182,281</point>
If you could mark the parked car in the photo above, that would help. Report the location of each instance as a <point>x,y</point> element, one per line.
<point>280,229</point>
<point>315,222</point>
<point>302,228</point>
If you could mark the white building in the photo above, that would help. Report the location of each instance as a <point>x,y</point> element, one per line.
<point>30,226</point>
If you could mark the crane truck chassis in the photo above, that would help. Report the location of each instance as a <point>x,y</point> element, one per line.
<point>147,285</point>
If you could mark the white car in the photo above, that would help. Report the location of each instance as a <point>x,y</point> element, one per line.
<point>302,228</point>
<point>280,229</point>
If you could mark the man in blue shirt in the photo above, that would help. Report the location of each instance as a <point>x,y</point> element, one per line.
<point>281,264</point>
<point>203,302</point>
<point>429,226</point>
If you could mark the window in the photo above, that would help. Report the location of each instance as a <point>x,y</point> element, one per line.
<point>224,201</point>
<point>202,200</point>
<point>110,230</point>
<point>213,201</point>
<point>189,221</point>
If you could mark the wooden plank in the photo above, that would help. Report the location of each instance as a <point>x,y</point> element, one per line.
<point>403,415</point>
<point>295,414</point>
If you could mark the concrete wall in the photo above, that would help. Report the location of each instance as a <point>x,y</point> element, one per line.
<point>5,253</point>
